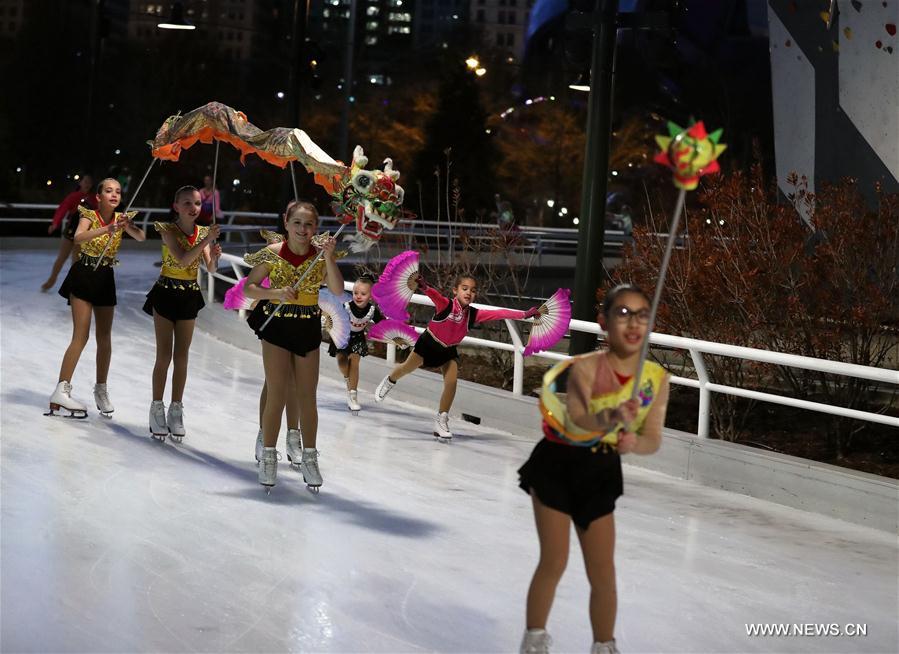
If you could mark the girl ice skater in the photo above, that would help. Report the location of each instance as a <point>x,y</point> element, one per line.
<point>174,302</point>
<point>574,476</point>
<point>436,346</point>
<point>90,289</point>
<point>363,312</point>
<point>293,337</point>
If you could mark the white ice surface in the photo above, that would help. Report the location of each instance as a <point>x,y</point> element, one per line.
<point>112,542</point>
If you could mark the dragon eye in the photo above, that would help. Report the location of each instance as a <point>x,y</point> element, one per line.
<point>362,181</point>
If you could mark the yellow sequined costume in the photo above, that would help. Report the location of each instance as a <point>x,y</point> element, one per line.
<point>283,274</point>
<point>92,249</point>
<point>176,294</point>
<point>555,413</point>
<point>173,274</point>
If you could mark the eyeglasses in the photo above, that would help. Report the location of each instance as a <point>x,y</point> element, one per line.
<point>623,315</point>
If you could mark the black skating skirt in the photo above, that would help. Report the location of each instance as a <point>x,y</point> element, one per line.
<point>434,353</point>
<point>175,299</point>
<point>85,283</point>
<point>574,480</point>
<point>296,328</point>
<point>358,344</point>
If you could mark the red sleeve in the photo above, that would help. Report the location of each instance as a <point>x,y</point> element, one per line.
<point>69,204</point>
<point>485,315</point>
<point>440,302</point>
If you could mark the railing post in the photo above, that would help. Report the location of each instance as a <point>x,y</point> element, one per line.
<point>391,353</point>
<point>210,287</point>
<point>518,358</point>
<point>705,395</point>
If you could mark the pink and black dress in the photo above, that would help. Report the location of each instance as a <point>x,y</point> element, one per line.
<point>451,322</point>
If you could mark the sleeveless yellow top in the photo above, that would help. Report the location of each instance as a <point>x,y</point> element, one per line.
<point>170,266</point>
<point>554,408</point>
<point>282,274</point>
<point>95,246</point>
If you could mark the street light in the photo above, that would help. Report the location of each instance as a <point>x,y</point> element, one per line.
<point>176,21</point>
<point>472,62</point>
<point>582,83</point>
<point>480,72</point>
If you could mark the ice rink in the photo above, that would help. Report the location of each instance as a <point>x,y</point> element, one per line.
<point>112,542</point>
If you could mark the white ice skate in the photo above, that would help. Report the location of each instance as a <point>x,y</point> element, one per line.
<point>260,447</point>
<point>175,420</point>
<point>159,428</point>
<point>101,397</point>
<point>268,468</point>
<point>311,474</point>
<point>62,399</point>
<point>294,447</point>
<point>383,389</point>
<point>607,647</point>
<point>441,428</point>
<point>535,641</point>
<point>352,402</point>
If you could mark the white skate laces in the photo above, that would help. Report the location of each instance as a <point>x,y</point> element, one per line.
<point>268,467</point>
<point>311,474</point>
<point>101,397</point>
<point>175,419</point>
<point>294,446</point>
<point>260,447</point>
<point>383,389</point>
<point>535,641</point>
<point>158,425</point>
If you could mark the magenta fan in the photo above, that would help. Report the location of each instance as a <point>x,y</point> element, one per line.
<point>552,323</point>
<point>392,292</point>
<point>394,331</point>
<point>235,298</point>
<point>335,319</point>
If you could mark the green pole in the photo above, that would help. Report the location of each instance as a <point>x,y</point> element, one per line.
<point>591,235</point>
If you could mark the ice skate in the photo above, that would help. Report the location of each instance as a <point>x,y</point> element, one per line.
<point>101,397</point>
<point>175,420</point>
<point>352,402</point>
<point>62,400</point>
<point>268,468</point>
<point>441,428</point>
<point>535,641</point>
<point>260,447</point>
<point>309,469</point>
<point>294,447</point>
<point>607,647</point>
<point>159,428</point>
<point>383,389</point>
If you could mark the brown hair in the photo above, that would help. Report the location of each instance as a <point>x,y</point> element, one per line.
<point>182,190</point>
<point>300,205</point>
<point>459,278</point>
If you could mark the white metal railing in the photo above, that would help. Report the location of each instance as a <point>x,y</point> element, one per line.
<point>695,347</point>
<point>540,240</point>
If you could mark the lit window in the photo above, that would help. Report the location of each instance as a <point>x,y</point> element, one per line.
<point>372,11</point>
<point>371,25</point>
<point>371,40</point>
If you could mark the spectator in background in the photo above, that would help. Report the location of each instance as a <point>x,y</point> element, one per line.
<point>207,197</point>
<point>67,213</point>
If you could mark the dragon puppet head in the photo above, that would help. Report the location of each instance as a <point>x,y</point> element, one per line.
<point>370,198</point>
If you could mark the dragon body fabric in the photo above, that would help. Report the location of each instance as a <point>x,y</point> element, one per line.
<point>369,198</point>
